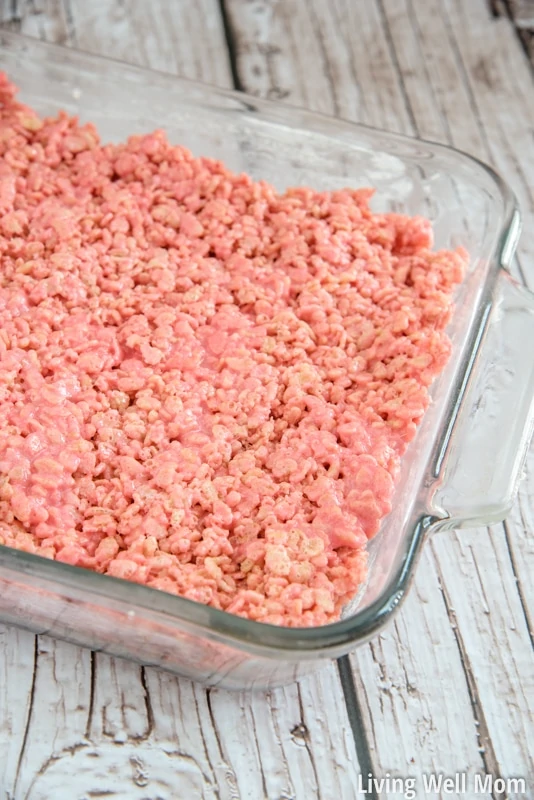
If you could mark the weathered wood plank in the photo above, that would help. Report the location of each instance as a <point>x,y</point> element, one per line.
<point>478,584</point>
<point>302,744</point>
<point>125,751</point>
<point>44,19</point>
<point>149,730</point>
<point>17,662</point>
<point>58,714</point>
<point>282,53</point>
<point>120,707</point>
<point>414,696</point>
<point>520,537</point>
<point>179,37</point>
<point>502,87</point>
<point>522,15</point>
<point>522,12</point>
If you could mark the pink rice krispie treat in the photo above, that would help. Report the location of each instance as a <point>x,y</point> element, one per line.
<point>206,385</point>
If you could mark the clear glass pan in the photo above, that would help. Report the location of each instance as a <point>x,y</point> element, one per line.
<point>462,468</point>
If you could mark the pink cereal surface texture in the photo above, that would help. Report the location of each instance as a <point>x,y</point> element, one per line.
<point>206,385</point>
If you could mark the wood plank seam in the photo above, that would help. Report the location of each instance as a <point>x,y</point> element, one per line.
<point>520,591</point>
<point>361,739</point>
<point>474,106</point>
<point>92,682</point>
<point>229,35</point>
<point>487,750</point>
<point>306,739</point>
<point>28,717</point>
<point>521,15</point>
<point>394,56</point>
<point>70,25</point>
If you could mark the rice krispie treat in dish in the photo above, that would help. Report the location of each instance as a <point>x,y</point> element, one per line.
<point>206,385</point>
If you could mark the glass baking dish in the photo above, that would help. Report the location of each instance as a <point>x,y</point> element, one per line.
<point>464,464</point>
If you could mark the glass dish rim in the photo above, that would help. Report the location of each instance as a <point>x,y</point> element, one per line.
<point>230,628</point>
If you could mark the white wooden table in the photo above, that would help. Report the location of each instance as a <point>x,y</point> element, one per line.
<point>449,688</point>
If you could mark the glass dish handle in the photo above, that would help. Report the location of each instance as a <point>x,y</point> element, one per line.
<point>482,466</point>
